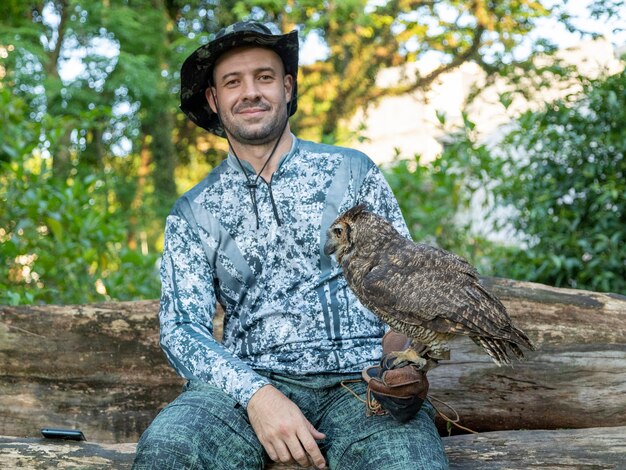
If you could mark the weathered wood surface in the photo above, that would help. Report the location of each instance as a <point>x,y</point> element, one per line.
<point>575,379</point>
<point>94,367</point>
<point>40,454</point>
<point>593,448</point>
<point>99,367</point>
<point>598,448</point>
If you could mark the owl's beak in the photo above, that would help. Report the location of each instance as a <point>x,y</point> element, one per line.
<point>329,247</point>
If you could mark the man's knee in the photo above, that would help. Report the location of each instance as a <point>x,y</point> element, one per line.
<point>415,445</point>
<point>169,447</point>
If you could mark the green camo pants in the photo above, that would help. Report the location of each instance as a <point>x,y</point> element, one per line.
<point>206,429</point>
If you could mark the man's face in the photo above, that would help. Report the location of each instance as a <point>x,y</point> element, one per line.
<point>251,91</point>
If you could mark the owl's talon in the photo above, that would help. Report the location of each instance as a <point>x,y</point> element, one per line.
<point>409,357</point>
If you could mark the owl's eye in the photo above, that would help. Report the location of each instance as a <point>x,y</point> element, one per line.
<point>337,231</point>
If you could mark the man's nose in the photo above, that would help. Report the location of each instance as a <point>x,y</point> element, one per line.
<point>251,89</point>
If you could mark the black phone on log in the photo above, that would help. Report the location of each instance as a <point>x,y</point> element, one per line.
<point>69,434</point>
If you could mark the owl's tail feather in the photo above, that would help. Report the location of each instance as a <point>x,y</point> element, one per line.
<point>518,338</point>
<point>501,351</point>
<point>496,349</point>
<point>517,350</point>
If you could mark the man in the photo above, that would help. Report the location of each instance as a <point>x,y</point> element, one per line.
<point>250,236</point>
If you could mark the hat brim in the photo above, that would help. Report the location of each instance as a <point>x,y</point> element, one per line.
<point>196,72</point>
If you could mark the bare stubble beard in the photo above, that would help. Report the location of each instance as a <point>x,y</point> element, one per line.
<point>265,134</point>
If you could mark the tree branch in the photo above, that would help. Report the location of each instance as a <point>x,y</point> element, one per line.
<point>51,66</point>
<point>425,81</point>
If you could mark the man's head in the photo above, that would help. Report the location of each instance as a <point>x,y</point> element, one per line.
<point>203,89</point>
<point>250,91</point>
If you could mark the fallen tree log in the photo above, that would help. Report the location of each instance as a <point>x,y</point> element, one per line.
<point>599,448</point>
<point>593,448</point>
<point>99,367</point>
<point>39,453</point>
<point>575,379</point>
<point>94,367</point>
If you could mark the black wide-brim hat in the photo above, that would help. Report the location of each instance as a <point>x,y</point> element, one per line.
<point>195,74</point>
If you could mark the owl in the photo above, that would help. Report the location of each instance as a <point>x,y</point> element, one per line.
<point>426,293</point>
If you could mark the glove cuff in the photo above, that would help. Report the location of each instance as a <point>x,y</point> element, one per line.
<point>393,342</point>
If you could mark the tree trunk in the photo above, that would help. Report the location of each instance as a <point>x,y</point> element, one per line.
<point>575,379</point>
<point>94,367</point>
<point>598,448</point>
<point>164,157</point>
<point>99,367</point>
<point>142,174</point>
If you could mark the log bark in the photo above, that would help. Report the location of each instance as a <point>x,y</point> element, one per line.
<point>94,367</point>
<point>575,379</point>
<point>99,367</point>
<point>593,448</point>
<point>599,448</point>
<point>44,454</point>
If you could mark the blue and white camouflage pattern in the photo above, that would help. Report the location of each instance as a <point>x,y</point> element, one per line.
<point>287,306</point>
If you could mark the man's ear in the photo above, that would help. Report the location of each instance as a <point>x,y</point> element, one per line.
<point>209,93</point>
<point>288,83</point>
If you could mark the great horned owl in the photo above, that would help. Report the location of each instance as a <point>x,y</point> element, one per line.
<point>424,292</point>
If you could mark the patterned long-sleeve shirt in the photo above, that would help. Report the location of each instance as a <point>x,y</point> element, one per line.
<point>287,306</point>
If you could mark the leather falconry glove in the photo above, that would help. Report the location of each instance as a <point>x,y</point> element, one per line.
<point>401,389</point>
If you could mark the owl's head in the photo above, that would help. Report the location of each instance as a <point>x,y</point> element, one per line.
<point>344,231</point>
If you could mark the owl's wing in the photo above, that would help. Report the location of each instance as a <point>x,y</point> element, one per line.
<point>431,257</point>
<point>422,285</point>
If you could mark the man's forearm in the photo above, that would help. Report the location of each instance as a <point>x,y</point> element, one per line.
<point>196,354</point>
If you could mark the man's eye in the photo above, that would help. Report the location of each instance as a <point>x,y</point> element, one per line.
<point>265,78</point>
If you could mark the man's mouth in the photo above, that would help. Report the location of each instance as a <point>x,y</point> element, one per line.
<point>252,110</point>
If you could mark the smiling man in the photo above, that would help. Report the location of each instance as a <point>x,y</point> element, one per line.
<point>252,87</point>
<point>250,236</point>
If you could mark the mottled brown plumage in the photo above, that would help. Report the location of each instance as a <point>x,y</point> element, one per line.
<point>424,292</point>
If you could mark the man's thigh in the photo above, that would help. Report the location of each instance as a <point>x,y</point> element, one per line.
<point>356,441</point>
<point>202,428</point>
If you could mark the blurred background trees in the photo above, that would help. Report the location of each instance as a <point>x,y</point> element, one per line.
<point>93,150</point>
<point>556,193</point>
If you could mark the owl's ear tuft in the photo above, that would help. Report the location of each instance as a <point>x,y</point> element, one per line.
<point>355,211</point>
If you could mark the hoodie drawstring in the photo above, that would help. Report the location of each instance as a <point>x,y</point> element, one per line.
<point>274,208</point>
<point>252,185</point>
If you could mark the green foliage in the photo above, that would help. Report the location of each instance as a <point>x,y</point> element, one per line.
<point>364,37</point>
<point>88,162</point>
<point>433,197</point>
<point>430,197</point>
<point>560,175</point>
<point>63,241</point>
<point>565,176</point>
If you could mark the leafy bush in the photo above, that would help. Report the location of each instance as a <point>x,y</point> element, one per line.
<point>436,196</point>
<point>569,189</point>
<point>62,240</point>
<point>561,173</point>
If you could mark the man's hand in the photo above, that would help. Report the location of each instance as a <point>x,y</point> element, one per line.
<point>285,433</point>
